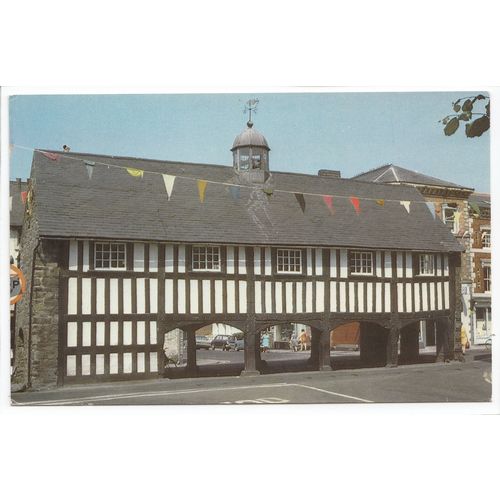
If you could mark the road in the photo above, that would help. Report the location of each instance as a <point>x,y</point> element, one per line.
<point>419,383</point>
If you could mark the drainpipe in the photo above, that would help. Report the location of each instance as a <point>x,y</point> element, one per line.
<point>33,261</point>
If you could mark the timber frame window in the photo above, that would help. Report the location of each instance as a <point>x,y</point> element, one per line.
<point>426,264</point>
<point>361,263</point>
<point>206,258</point>
<point>110,256</point>
<point>289,261</point>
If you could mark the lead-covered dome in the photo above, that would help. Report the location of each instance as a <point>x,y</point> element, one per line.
<point>250,137</point>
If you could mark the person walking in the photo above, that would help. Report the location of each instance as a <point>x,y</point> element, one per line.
<point>464,340</point>
<point>303,340</point>
<point>265,342</point>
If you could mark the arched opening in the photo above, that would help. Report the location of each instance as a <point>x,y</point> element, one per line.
<point>209,350</point>
<point>373,344</point>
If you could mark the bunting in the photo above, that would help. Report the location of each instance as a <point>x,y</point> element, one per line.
<point>202,186</point>
<point>380,202</point>
<point>169,184</point>
<point>135,172</point>
<point>432,208</point>
<point>235,192</point>
<point>355,204</point>
<point>405,204</point>
<point>50,156</point>
<point>90,167</point>
<point>329,202</point>
<point>269,192</point>
<point>301,201</point>
<point>24,195</point>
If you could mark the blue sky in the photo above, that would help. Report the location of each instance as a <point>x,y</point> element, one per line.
<point>350,132</point>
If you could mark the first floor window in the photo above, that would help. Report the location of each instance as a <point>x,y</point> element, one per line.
<point>426,264</point>
<point>450,216</point>
<point>361,263</point>
<point>206,258</point>
<point>486,238</point>
<point>289,261</point>
<point>109,256</point>
<point>487,278</point>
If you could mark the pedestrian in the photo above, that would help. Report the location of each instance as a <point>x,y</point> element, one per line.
<point>464,340</point>
<point>265,342</point>
<point>303,340</point>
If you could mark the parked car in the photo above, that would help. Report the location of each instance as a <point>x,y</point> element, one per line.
<point>221,342</point>
<point>202,342</point>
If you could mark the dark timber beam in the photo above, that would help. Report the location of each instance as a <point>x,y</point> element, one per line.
<point>192,367</point>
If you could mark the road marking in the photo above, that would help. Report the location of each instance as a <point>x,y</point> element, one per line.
<point>109,397</point>
<point>270,400</point>
<point>334,393</point>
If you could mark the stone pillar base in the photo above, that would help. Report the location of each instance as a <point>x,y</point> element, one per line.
<point>249,373</point>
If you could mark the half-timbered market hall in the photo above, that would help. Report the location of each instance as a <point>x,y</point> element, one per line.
<point>119,252</point>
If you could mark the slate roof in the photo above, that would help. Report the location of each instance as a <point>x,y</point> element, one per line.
<point>115,205</point>
<point>482,200</point>
<point>17,212</point>
<point>399,175</point>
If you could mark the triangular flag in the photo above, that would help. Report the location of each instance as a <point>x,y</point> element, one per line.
<point>202,185</point>
<point>329,202</point>
<point>406,204</point>
<point>90,167</point>
<point>135,172</point>
<point>169,183</point>
<point>380,202</point>
<point>431,207</point>
<point>50,156</point>
<point>268,191</point>
<point>235,192</point>
<point>301,201</point>
<point>355,204</point>
<point>24,194</point>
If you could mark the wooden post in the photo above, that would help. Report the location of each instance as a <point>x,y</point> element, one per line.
<point>392,343</point>
<point>192,367</point>
<point>324,350</point>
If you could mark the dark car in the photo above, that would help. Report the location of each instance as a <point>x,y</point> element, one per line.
<point>202,342</point>
<point>221,342</point>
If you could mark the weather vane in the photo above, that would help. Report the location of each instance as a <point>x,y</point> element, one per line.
<point>251,105</point>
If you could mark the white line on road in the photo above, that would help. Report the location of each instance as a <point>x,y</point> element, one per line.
<point>334,393</point>
<point>109,397</point>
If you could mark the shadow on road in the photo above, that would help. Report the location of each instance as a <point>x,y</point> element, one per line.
<point>345,362</point>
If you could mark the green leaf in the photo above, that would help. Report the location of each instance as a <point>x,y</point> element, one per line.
<point>456,107</point>
<point>451,126</point>
<point>465,117</point>
<point>467,105</point>
<point>445,120</point>
<point>477,127</point>
<point>480,97</point>
<point>487,107</point>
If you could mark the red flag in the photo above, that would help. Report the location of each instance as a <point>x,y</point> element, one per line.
<point>329,202</point>
<point>24,194</point>
<point>50,156</point>
<point>355,204</point>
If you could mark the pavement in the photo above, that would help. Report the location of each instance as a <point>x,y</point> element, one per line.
<point>468,381</point>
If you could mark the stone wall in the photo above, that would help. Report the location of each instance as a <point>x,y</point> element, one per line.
<point>36,351</point>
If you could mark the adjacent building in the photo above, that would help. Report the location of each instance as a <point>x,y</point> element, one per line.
<point>122,251</point>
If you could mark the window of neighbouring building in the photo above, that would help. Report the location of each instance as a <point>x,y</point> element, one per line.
<point>426,264</point>
<point>483,318</point>
<point>206,258</point>
<point>451,216</point>
<point>289,260</point>
<point>361,262</point>
<point>109,256</point>
<point>486,238</point>
<point>487,278</point>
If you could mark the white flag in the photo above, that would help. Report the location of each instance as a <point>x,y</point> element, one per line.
<point>406,204</point>
<point>169,183</point>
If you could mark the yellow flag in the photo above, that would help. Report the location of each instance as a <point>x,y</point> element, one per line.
<point>135,172</point>
<point>202,185</point>
<point>380,202</point>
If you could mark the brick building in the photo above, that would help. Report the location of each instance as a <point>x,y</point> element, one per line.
<point>480,264</point>
<point>121,251</point>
